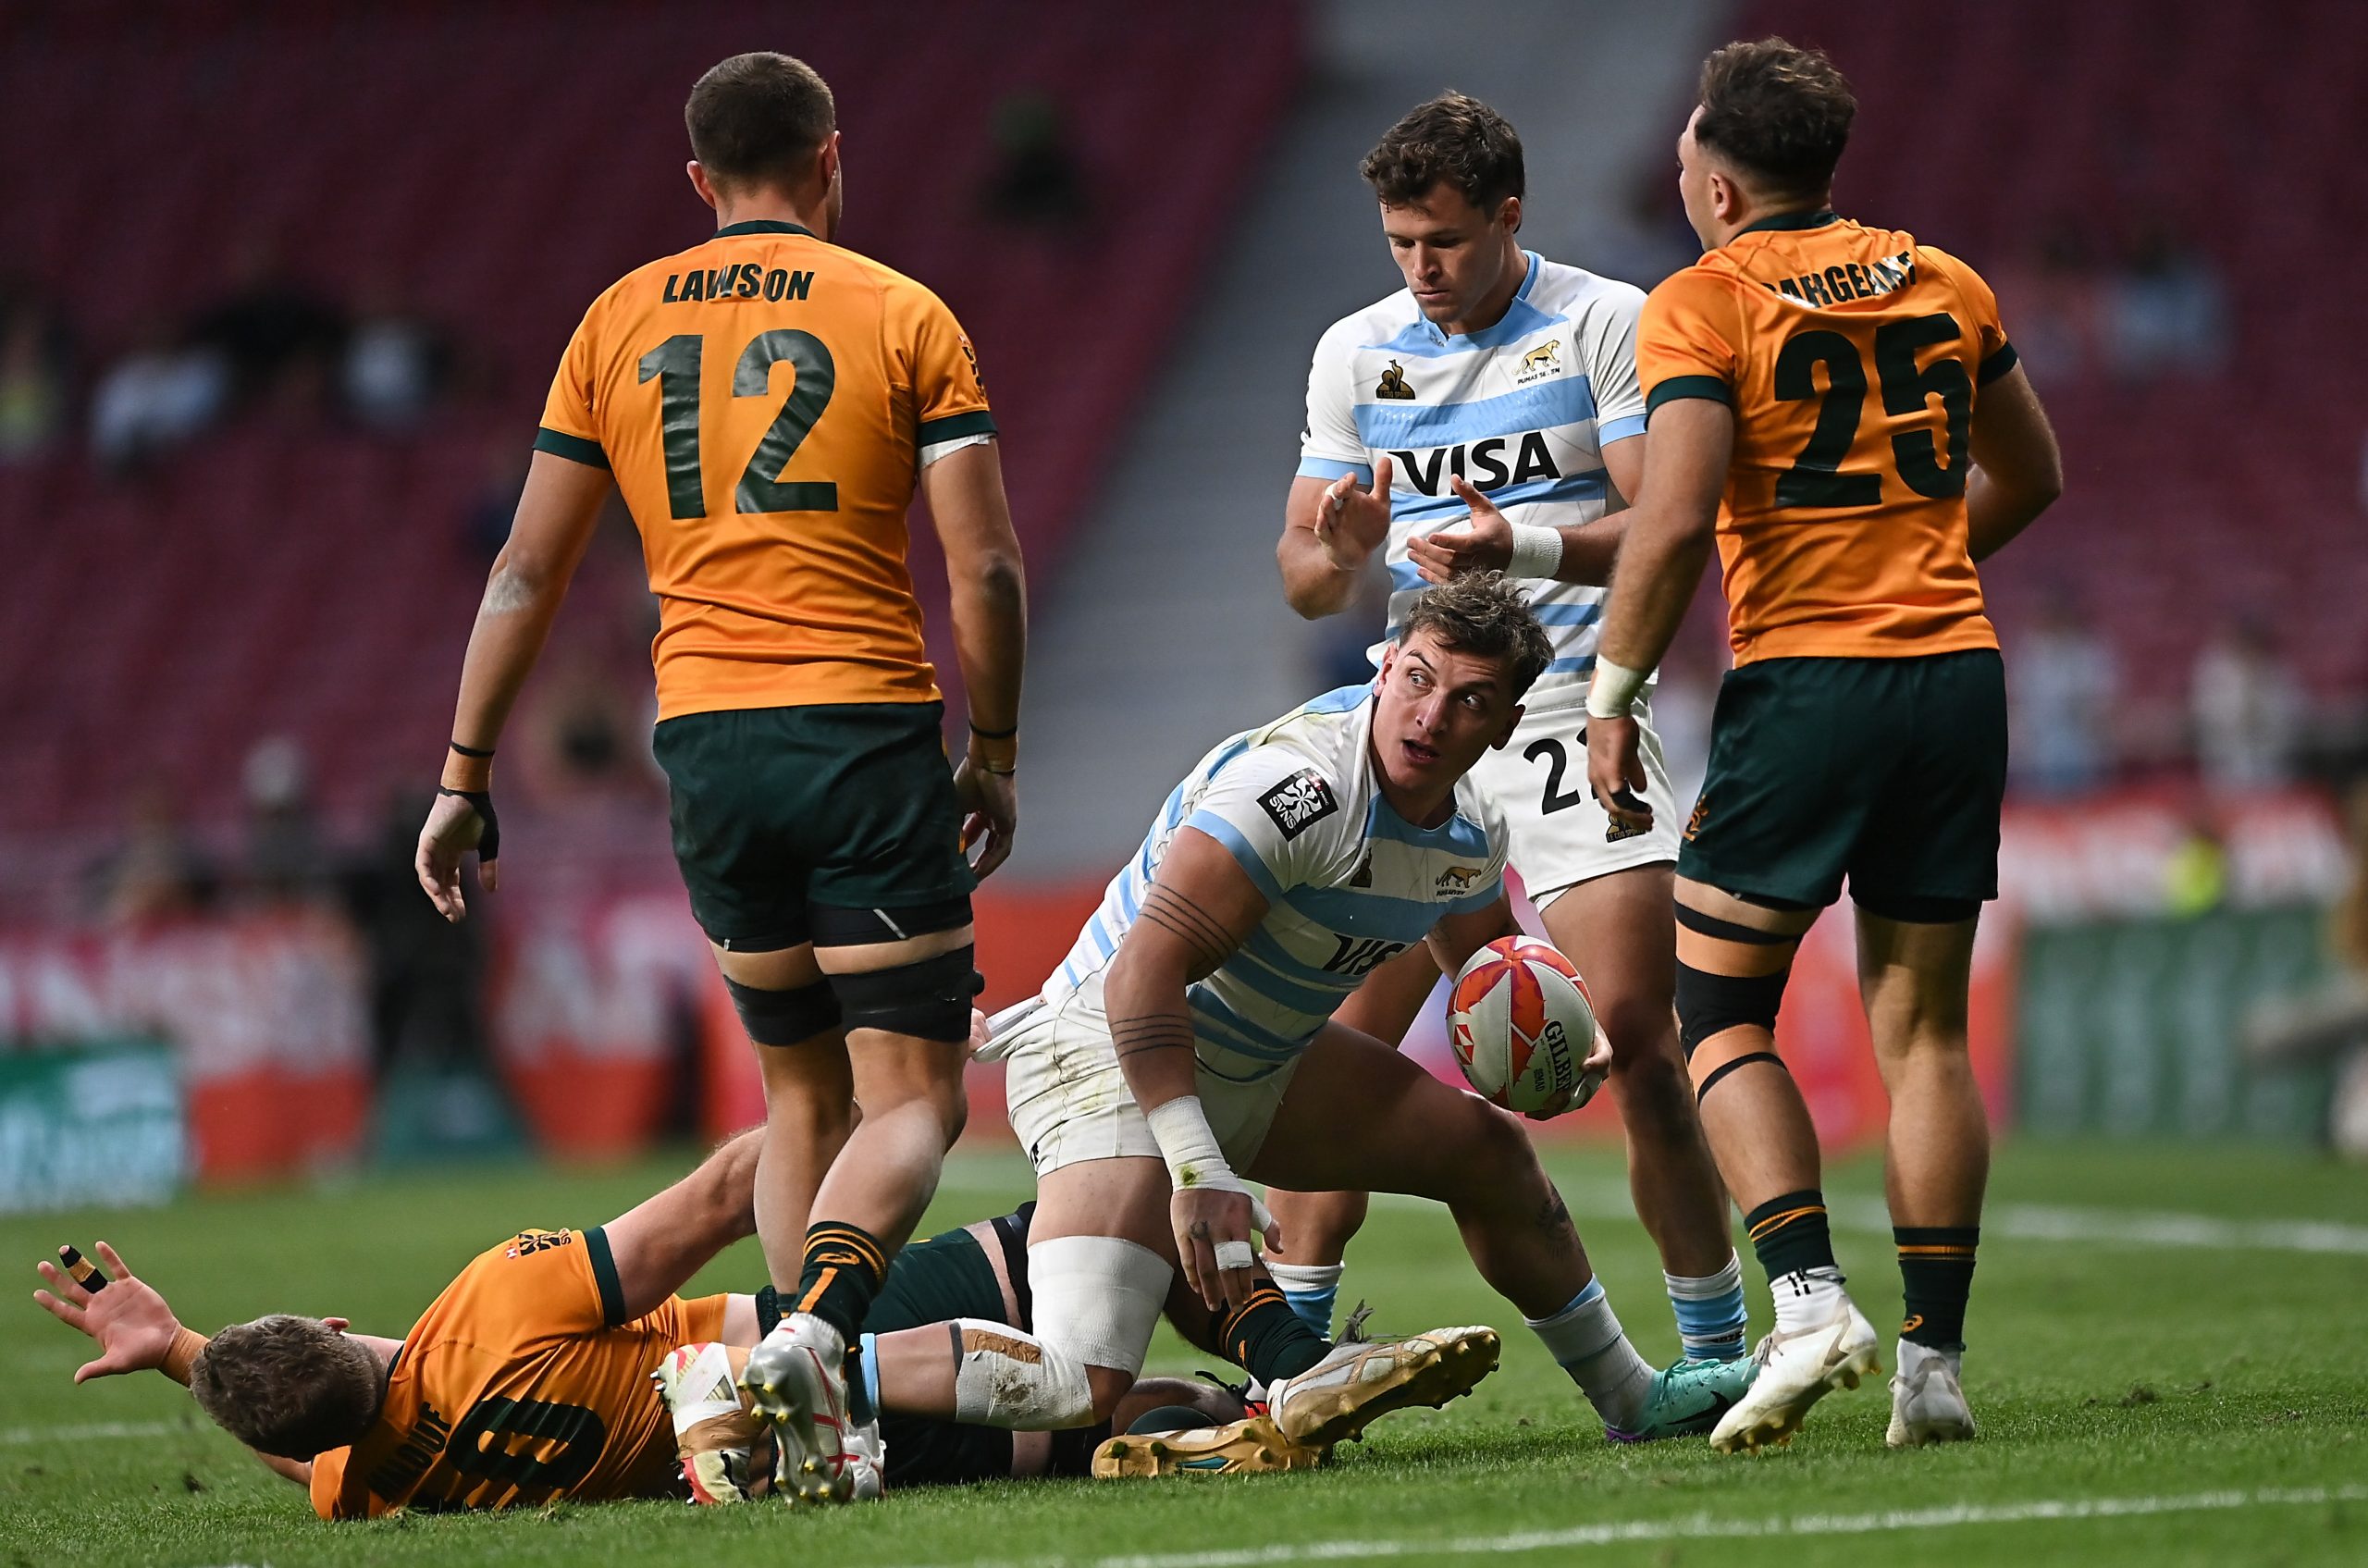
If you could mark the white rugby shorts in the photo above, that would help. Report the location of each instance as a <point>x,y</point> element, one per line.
<point>1540,781</point>
<point>1068,1101</point>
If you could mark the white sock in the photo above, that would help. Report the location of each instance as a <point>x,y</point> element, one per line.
<point>1311,1289</point>
<point>1586,1339</point>
<point>1914,1358</point>
<point>1806,1299</point>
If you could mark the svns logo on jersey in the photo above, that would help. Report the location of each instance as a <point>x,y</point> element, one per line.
<point>1300,802</point>
<point>1393,384</point>
<point>1539,362</point>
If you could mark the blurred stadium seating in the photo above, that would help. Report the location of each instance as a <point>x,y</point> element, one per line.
<point>501,165</point>
<point>2036,131</point>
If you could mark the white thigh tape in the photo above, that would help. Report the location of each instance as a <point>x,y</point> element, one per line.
<point>1098,1297</point>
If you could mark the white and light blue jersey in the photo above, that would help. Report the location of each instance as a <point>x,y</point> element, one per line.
<point>1348,883</point>
<point>1521,410</point>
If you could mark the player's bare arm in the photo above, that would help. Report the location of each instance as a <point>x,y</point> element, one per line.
<point>1487,543</point>
<point>1202,908</point>
<point>988,604</point>
<point>1670,533</point>
<point>1331,528</point>
<point>659,1243</point>
<point>2017,472</point>
<point>137,1331</point>
<point>556,515</point>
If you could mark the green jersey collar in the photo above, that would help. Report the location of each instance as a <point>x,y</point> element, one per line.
<point>1818,219</point>
<point>776,226</point>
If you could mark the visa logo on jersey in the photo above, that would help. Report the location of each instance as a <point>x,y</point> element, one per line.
<point>1488,466</point>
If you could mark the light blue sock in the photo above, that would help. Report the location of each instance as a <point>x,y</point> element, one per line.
<point>1585,1341</point>
<point>1711,1318</point>
<point>1311,1289</point>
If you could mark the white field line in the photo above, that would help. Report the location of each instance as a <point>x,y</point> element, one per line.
<point>2021,1222</point>
<point>20,1436</point>
<point>1704,1527</point>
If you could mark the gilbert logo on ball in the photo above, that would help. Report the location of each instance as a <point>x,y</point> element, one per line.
<point>1521,1025</point>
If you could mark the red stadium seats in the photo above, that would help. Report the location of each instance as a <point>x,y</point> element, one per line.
<point>496,167</point>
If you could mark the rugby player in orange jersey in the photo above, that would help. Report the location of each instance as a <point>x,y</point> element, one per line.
<point>530,1376</point>
<point>1836,405</point>
<point>768,402</point>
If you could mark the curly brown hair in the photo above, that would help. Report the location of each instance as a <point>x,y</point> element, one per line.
<point>1483,613</point>
<point>1453,138</point>
<point>289,1386</point>
<point>1777,111</point>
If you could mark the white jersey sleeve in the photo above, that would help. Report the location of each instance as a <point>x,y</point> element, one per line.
<point>1329,445</point>
<point>1607,344</point>
<point>1279,815</point>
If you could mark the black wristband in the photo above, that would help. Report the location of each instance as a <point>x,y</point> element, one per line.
<point>481,802</point>
<point>471,751</point>
<point>995,734</point>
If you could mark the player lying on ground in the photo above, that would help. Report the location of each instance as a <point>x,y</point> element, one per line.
<point>1521,370</point>
<point>1189,1036</point>
<point>1863,730</point>
<point>530,1376</point>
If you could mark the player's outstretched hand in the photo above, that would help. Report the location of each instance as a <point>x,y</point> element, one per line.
<point>1352,524</point>
<point>1616,774</point>
<point>1483,544</point>
<point>1212,1225</point>
<point>456,824</point>
<point>990,814</point>
<point>133,1325</point>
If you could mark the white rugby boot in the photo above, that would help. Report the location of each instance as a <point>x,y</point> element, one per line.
<point>797,1381</point>
<point>867,1463</point>
<point>1928,1398</point>
<point>723,1448</point>
<point>1796,1369</point>
<point>1334,1400</point>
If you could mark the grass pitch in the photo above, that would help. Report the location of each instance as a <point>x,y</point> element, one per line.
<point>2170,1365</point>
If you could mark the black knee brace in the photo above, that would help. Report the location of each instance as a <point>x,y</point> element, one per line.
<point>784,1017</point>
<point>929,999</point>
<point>1710,1004</point>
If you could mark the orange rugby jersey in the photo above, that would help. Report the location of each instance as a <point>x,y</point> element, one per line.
<point>764,400</point>
<point>519,1385</point>
<point>1852,357</point>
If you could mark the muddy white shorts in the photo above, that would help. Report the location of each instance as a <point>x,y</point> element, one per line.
<point>1068,1100</point>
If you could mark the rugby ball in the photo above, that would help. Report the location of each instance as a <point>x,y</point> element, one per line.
<point>1522,1024</point>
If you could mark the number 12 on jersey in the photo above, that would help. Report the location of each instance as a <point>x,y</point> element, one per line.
<point>676,363</point>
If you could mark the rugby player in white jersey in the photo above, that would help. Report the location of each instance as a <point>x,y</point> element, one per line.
<point>1487,416</point>
<point>1187,1044</point>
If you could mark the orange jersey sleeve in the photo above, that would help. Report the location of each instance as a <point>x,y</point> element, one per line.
<point>518,1385</point>
<point>765,402</point>
<point>1852,358</point>
<point>1686,340</point>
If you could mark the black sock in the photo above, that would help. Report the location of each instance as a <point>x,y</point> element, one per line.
<point>1936,1272</point>
<point>844,1264</point>
<point>1789,1233</point>
<point>1269,1341</point>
